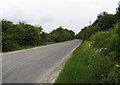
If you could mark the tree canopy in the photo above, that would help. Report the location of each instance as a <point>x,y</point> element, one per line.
<point>22,34</point>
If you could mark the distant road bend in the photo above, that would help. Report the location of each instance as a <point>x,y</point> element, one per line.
<point>34,65</point>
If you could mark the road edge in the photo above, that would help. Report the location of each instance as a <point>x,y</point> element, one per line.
<point>22,50</point>
<point>54,73</point>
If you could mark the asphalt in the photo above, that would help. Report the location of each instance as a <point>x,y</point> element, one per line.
<point>32,65</point>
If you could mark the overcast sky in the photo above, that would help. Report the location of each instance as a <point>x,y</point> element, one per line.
<point>50,14</point>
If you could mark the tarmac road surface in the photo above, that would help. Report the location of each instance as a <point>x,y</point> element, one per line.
<point>32,65</point>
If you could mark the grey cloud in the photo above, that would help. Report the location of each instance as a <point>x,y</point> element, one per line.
<point>46,19</point>
<point>72,14</point>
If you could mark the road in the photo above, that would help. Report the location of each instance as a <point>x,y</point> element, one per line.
<point>33,65</point>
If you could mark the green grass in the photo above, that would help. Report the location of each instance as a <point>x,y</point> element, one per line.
<point>96,60</point>
<point>86,65</point>
<point>76,69</point>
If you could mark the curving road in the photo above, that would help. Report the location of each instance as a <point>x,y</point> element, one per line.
<point>34,65</point>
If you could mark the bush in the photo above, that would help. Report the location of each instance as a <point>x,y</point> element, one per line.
<point>105,60</point>
<point>8,44</point>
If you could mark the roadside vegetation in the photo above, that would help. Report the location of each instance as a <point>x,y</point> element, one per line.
<point>97,59</point>
<point>0,37</point>
<point>22,35</point>
<point>76,69</point>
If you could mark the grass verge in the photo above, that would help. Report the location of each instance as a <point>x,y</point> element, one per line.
<point>76,69</point>
<point>88,64</point>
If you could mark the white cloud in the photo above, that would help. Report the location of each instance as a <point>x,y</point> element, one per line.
<point>72,14</point>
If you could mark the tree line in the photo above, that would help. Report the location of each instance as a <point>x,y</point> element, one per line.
<point>104,22</point>
<point>21,35</point>
<point>102,38</point>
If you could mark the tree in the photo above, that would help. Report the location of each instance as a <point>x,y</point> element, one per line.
<point>118,13</point>
<point>106,21</point>
<point>19,35</point>
<point>6,26</point>
<point>22,34</point>
<point>45,37</point>
<point>61,34</point>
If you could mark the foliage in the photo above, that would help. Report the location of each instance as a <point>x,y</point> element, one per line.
<point>46,37</point>
<point>104,57</point>
<point>118,13</point>
<point>106,22</point>
<point>95,61</point>
<point>17,36</point>
<point>108,48</point>
<point>8,43</point>
<point>107,39</point>
<point>76,68</point>
<point>0,36</point>
<point>103,22</point>
<point>98,55</point>
<point>87,32</point>
<point>60,34</point>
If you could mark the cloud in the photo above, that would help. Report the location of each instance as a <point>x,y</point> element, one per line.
<point>46,19</point>
<point>72,14</point>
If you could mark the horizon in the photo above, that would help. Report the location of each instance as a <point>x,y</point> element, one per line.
<point>73,15</point>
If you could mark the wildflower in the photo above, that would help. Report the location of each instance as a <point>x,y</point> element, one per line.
<point>89,45</point>
<point>100,49</point>
<point>117,65</point>
<point>105,48</point>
